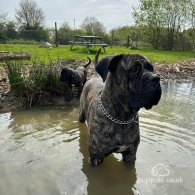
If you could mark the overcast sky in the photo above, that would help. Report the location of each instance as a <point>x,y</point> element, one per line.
<point>112,13</point>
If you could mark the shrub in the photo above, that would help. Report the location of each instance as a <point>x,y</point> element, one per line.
<point>32,82</point>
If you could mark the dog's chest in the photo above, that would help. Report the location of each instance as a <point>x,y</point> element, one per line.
<point>124,134</point>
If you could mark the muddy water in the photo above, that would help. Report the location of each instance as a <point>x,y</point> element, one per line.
<point>44,152</point>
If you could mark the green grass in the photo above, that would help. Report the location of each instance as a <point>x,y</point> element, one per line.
<point>45,55</point>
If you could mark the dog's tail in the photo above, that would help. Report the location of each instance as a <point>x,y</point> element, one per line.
<point>89,62</point>
<point>96,61</point>
<point>96,57</point>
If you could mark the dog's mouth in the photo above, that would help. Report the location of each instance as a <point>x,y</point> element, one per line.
<point>146,99</point>
<point>154,98</point>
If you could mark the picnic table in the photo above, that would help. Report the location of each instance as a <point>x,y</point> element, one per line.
<point>88,41</point>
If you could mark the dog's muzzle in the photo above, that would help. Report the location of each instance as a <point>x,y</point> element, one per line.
<point>149,92</point>
<point>150,81</point>
<point>151,86</point>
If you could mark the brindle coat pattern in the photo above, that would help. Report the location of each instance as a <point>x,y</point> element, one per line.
<point>77,77</point>
<point>129,86</point>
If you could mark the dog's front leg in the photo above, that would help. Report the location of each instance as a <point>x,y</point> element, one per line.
<point>95,160</point>
<point>68,92</point>
<point>80,88</point>
<point>95,157</point>
<point>129,156</point>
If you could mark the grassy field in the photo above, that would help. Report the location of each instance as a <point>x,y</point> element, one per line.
<point>45,55</point>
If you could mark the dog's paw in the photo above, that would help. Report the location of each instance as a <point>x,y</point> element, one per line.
<point>82,117</point>
<point>95,161</point>
<point>129,159</point>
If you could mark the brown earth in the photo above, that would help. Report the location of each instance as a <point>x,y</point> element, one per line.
<point>182,70</point>
<point>8,101</point>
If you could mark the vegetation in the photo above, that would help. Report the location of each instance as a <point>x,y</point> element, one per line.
<point>93,27</point>
<point>34,82</point>
<point>168,25</point>
<point>167,21</point>
<point>46,55</point>
<point>38,80</point>
<point>29,16</point>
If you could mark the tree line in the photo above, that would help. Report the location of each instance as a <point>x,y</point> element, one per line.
<point>160,24</point>
<point>171,23</point>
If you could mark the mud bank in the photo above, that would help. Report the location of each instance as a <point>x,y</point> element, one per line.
<point>9,101</point>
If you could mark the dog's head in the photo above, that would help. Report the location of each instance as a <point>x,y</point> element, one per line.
<point>66,75</point>
<point>135,76</point>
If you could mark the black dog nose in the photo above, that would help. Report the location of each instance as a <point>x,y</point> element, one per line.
<point>150,80</point>
<point>155,79</point>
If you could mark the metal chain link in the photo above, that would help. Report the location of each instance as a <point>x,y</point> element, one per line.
<point>114,119</point>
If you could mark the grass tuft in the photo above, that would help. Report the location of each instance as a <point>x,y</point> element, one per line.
<point>32,82</point>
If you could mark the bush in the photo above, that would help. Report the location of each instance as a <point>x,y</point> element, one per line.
<point>37,35</point>
<point>32,82</point>
<point>15,78</point>
<point>21,41</point>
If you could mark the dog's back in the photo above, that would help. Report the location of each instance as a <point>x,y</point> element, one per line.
<point>90,94</point>
<point>101,67</point>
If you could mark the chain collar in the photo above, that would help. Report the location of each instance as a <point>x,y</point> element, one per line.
<point>114,119</point>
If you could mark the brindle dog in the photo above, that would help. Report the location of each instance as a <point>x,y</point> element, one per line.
<point>111,108</point>
<point>77,77</point>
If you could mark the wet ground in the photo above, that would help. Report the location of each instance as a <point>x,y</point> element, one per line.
<point>44,151</point>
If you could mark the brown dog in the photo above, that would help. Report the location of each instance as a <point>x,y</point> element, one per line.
<point>111,108</point>
<point>77,77</point>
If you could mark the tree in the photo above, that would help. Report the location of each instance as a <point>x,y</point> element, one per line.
<point>64,33</point>
<point>3,20</point>
<point>11,32</point>
<point>175,18</point>
<point>150,13</point>
<point>192,15</point>
<point>93,27</point>
<point>29,15</point>
<point>164,17</point>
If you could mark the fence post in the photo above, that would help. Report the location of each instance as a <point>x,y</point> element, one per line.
<point>112,38</point>
<point>56,34</point>
<point>128,39</point>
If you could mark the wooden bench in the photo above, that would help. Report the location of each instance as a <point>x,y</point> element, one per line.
<point>103,45</point>
<point>88,41</point>
<point>78,42</point>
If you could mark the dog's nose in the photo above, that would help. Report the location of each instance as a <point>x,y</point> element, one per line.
<point>155,79</point>
<point>150,80</point>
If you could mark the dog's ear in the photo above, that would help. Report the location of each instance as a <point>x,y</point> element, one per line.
<point>62,76</point>
<point>113,64</point>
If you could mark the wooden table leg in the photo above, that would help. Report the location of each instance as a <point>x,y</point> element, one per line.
<point>87,49</point>
<point>72,46</point>
<point>104,49</point>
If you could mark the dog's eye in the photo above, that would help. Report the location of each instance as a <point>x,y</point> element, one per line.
<point>148,66</point>
<point>134,70</point>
